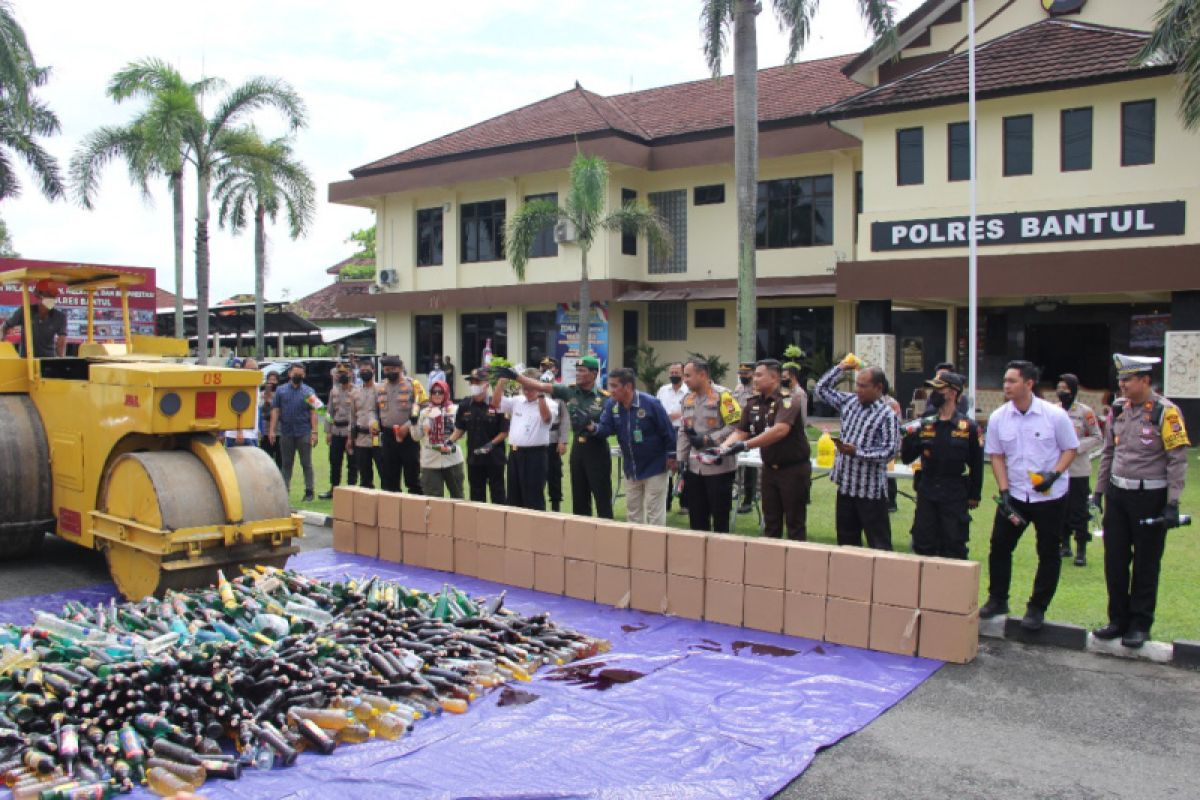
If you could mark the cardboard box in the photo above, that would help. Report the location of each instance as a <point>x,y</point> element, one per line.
<point>580,579</point>
<point>579,538</point>
<point>549,573</point>
<point>612,585</point>
<point>343,536</point>
<point>851,573</point>
<point>366,507</point>
<point>807,570</point>
<point>439,553</point>
<point>389,511</point>
<point>894,629</point>
<point>723,601</point>
<point>518,529</point>
<point>950,585</point>
<point>548,534</point>
<point>648,591</point>
<point>612,544</point>
<point>897,580</point>
<point>440,518</point>
<point>804,615</point>
<point>685,553</point>
<point>725,558</point>
<point>766,562</point>
<point>763,609</point>
<point>465,515</point>
<point>949,637</point>
<point>648,548</point>
<point>391,545</point>
<point>489,563</point>
<point>413,549</point>
<point>490,521</point>
<point>413,512</point>
<point>343,502</point>
<point>466,558</point>
<point>366,540</point>
<point>685,596</point>
<point>518,568</point>
<point>847,622</point>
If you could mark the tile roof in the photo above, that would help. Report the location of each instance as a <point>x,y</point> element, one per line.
<point>1041,56</point>
<point>698,106</point>
<point>323,303</point>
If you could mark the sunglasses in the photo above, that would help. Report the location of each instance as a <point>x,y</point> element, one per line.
<point>437,391</point>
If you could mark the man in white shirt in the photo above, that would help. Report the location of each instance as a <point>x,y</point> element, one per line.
<point>1031,444</point>
<point>529,442</point>
<point>671,396</point>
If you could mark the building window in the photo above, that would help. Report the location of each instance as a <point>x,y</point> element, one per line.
<point>428,337</point>
<point>628,240</point>
<point>541,336</point>
<point>958,151</point>
<point>1018,145</point>
<point>429,237</point>
<point>482,231</point>
<point>809,328</point>
<point>858,200</point>
<point>630,339</point>
<point>544,245</point>
<point>667,322</point>
<point>710,318</point>
<point>477,329</point>
<point>1137,133</point>
<point>1076,139</point>
<point>709,195</point>
<point>795,212</point>
<point>910,156</point>
<point>672,207</point>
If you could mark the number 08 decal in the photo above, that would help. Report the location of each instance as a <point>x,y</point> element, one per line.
<point>212,379</point>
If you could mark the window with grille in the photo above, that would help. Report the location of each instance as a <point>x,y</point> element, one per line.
<point>672,207</point>
<point>667,322</point>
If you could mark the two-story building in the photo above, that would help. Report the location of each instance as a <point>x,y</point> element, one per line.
<point>1086,185</point>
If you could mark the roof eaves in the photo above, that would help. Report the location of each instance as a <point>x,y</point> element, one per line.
<point>913,24</point>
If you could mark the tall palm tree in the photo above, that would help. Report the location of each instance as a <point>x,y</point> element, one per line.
<point>151,145</point>
<point>23,117</point>
<point>584,210</point>
<point>216,140</point>
<point>258,184</point>
<point>1176,37</point>
<point>795,19</point>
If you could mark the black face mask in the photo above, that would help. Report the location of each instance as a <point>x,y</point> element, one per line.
<point>676,379</point>
<point>937,400</point>
<point>786,383</point>
<point>297,380</point>
<point>1066,398</point>
<point>392,376</point>
<point>366,374</point>
<point>343,379</point>
<point>745,379</point>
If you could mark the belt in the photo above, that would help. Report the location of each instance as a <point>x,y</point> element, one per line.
<point>1134,485</point>
<point>520,449</point>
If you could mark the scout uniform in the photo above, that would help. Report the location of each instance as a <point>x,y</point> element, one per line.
<point>396,403</point>
<point>741,393</point>
<point>1087,428</point>
<point>368,453</point>
<point>1142,471</point>
<point>707,420</point>
<point>787,470</point>
<point>485,428</point>
<point>339,417</point>
<point>591,460</point>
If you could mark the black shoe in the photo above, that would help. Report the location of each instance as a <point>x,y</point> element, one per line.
<point>308,498</point>
<point>893,508</point>
<point>1033,619</point>
<point>1081,555</point>
<point>745,508</point>
<point>554,506</point>
<point>1065,550</point>
<point>1135,639</point>
<point>325,495</point>
<point>993,608</point>
<point>1109,632</point>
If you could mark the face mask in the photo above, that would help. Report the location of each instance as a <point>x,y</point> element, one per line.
<point>786,383</point>
<point>49,303</point>
<point>392,376</point>
<point>343,379</point>
<point>297,380</point>
<point>476,389</point>
<point>1066,398</point>
<point>366,374</point>
<point>745,379</point>
<point>676,379</point>
<point>937,400</point>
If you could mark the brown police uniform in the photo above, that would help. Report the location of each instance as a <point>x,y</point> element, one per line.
<point>707,487</point>
<point>367,455</point>
<point>339,417</point>
<point>397,403</point>
<point>787,470</point>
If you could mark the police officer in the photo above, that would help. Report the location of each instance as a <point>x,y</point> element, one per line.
<point>1142,470</point>
<point>774,421</point>
<point>560,437</point>
<point>1087,428</point>
<point>741,393</point>
<point>486,429</point>
<point>364,445</point>
<point>707,416</point>
<point>946,444</point>
<point>591,460</point>
<point>397,401</point>
<point>339,415</point>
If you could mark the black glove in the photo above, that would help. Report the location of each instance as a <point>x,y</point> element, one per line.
<point>1047,480</point>
<point>580,419</point>
<point>698,440</point>
<point>505,372</point>
<point>735,448</point>
<point>1170,515</point>
<point>1098,501</point>
<point>1006,499</point>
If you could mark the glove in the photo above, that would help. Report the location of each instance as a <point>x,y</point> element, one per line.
<point>698,440</point>
<point>579,419</point>
<point>1097,500</point>
<point>505,372</point>
<point>1042,481</point>
<point>711,457</point>
<point>1170,515</point>
<point>1005,499</point>
<point>483,451</point>
<point>735,448</point>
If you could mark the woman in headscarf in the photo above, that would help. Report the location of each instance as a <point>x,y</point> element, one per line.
<point>441,460</point>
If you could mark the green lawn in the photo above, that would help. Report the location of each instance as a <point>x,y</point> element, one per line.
<point>1081,596</point>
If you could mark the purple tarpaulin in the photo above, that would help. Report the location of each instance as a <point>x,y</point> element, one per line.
<point>677,709</point>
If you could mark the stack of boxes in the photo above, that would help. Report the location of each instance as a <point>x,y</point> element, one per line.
<point>891,602</point>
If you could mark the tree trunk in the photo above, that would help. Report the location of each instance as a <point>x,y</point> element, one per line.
<point>585,307</point>
<point>260,278</point>
<point>202,343</point>
<point>177,201</point>
<point>745,167</point>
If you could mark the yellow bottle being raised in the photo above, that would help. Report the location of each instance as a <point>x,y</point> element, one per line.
<point>117,449</point>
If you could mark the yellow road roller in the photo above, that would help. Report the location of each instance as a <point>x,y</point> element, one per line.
<point>118,449</point>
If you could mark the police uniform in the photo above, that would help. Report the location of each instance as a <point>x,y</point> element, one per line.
<point>946,448</point>
<point>338,420</point>
<point>1087,428</point>
<point>1142,471</point>
<point>787,470</point>
<point>397,404</point>
<point>591,460</point>
<point>483,426</point>
<point>707,487</point>
<point>368,456</point>
<point>741,393</point>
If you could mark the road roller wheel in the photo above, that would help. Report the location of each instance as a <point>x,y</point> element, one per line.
<point>25,487</point>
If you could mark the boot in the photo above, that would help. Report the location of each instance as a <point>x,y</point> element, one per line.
<point>1064,549</point>
<point>1081,554</point>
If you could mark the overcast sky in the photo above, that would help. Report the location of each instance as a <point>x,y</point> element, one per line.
<point>378,77</point>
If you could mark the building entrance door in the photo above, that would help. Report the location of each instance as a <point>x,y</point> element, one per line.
<point>920,345</point>
<point>1081,348</point>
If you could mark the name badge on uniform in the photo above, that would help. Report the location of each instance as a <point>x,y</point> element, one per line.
<point>637,436</point>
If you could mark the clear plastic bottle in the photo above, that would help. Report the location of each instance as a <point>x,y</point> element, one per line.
<point>316,616</point>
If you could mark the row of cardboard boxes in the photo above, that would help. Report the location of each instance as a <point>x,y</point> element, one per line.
<point>892,602</point>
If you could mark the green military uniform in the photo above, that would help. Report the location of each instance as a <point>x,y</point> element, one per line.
<point>591,461</point>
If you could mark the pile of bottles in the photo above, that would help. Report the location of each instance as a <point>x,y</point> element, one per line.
<point>245,675</point>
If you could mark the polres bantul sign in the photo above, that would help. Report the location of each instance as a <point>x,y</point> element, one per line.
<point>1033,227</point>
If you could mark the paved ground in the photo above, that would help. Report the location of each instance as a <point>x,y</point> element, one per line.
<point>1020,722</point>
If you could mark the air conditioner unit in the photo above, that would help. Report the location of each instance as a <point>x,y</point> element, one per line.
<point>389,277</point>
<point>564,231</point>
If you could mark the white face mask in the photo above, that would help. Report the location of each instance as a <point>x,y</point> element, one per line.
<point>476,389</point>
<point>49,303</point>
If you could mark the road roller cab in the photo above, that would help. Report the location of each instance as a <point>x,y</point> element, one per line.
<point>118,449</point>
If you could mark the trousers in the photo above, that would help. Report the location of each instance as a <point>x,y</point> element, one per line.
<point>368,461</point>
<point>941,525</point>
<point>591,478</point>
<point>1127,543</point>
<point>1047,520</point>
<point>527,478</point>
<point>554,475</point>
<point>435,481</point>
<point>485,479</point>
<point>400,459</point>
<point>709,500</point>
<point>1077,518</point>
<point>856,516</point>
<point>337,454</point>
<point>646,500</point>
<point>785,491</point>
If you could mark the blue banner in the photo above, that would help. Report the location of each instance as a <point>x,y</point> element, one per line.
<point>566,348</point>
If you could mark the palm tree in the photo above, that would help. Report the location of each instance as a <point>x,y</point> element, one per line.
<point>795,18</point>
<point>583,210</point>
<point>23,117</point>
<point>259,183</point>
<point>1176,38</point>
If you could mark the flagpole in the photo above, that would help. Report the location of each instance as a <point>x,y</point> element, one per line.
<point>972,245</point>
